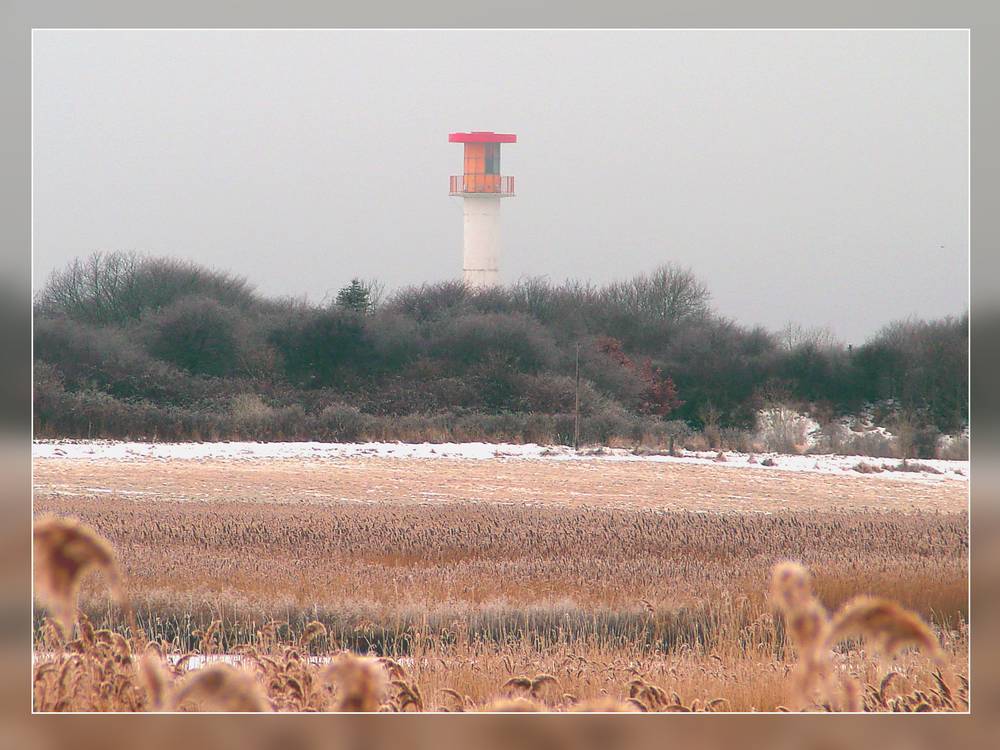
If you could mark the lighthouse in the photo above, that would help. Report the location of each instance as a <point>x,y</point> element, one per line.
<point>481,186</point>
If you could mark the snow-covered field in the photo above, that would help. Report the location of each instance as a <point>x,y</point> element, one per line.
<point>101,450</point>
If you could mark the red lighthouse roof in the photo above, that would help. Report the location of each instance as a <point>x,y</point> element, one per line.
<point>482,136</point>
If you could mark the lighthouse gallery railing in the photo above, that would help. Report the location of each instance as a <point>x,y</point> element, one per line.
<point>482,183</point>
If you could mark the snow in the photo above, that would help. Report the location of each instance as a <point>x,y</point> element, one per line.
<point>109,450</point>
<point>198,661</point>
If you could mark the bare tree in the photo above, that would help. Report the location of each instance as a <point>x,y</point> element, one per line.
<point>675,429</point>
<point>114,287</point>
<point>794,335</point>
<point>376,292</point>
<point>98,289</point>
<point>710,415</point>
<point>675,293</point>
<point>670,293</point>
<point>906,435</point>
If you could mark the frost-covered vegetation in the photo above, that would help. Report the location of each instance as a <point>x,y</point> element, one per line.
<point>497,607</point>
<point>128,346</point>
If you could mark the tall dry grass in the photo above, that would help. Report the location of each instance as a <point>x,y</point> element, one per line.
<point>503,569</point>
<point>740,650</point>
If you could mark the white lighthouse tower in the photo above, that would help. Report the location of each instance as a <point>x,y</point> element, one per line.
<point>481,186</point>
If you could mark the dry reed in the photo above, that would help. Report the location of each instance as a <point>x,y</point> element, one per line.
<point>577,608</point>
<point>65,551</point>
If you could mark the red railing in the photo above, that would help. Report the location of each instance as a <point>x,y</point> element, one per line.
<point>462,184</point>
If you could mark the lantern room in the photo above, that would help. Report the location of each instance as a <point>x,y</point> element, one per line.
<point>481,173</point>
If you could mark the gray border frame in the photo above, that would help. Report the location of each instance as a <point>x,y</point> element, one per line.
<point>982,17</point>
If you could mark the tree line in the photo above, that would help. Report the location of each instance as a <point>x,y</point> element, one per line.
<point>129,345</point>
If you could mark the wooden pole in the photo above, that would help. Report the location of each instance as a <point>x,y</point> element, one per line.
<point>576,411</point>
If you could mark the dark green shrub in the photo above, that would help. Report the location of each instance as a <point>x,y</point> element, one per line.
<point>197,334</point>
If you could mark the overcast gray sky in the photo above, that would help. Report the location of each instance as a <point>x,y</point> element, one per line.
<point>813,176</point>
